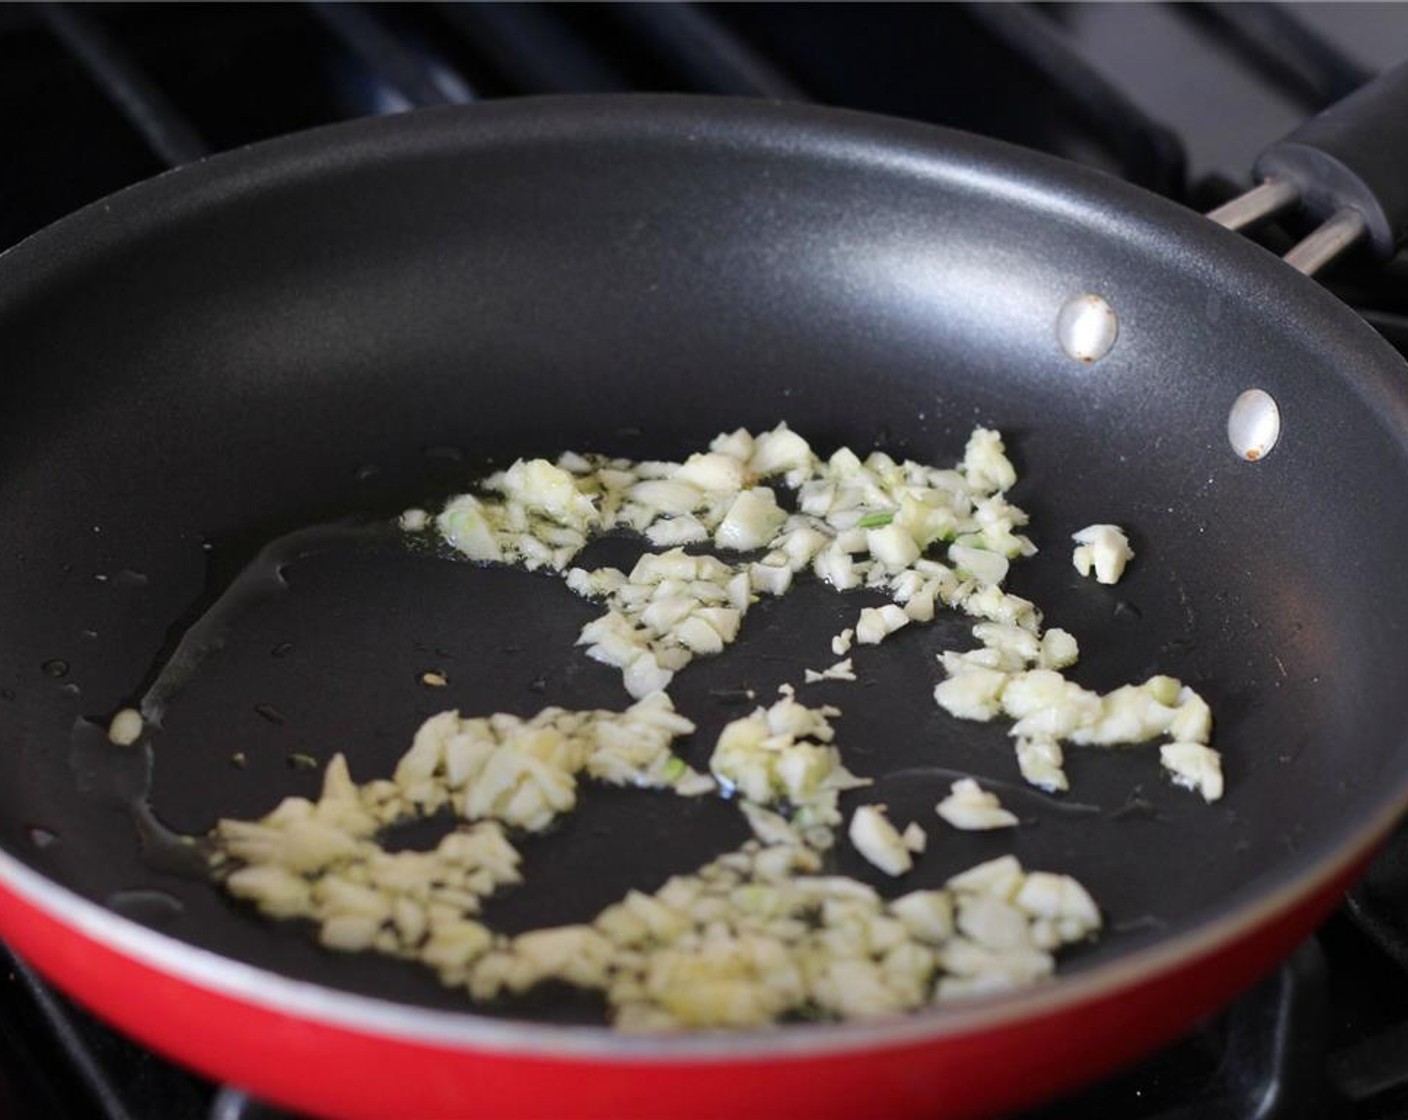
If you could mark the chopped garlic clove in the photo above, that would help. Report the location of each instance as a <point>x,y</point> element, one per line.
<point>671,532</point>
<point>1021,644</point>
<point>1001,877</point>
<point>769,827</point>
<point>768,579</point>
<point>1130,714</point>
<point>577,954</point>
<point>751,522</point>
<point>974,694</point>
<point>834,565</point>
<point>1194,766</point>
<point>125,728</point>
<point>713,472</point>
<point>876,839</point>
<point>277,891</point>
<point>463,525</point>
<point>984,566</point>
<point>992,922</point>
<point>644,676</point>
<point>1008,969</point>
<point>971,808</point>
<point>855,989</point>
<point>1058,649</point>
<point>1058,897</point>
<point>453,945</point>
<point>1045,705</point>
<point>996,605</point>
<point>841,671</point>
<point>783,752</point>
<point>915,838</point>
<point>541,486</point>
<point>928,915</point>
<point>349,933</point>
<point>1041,761</point>
<point>737,444</point>
<point>984,463</point>
<point>698,636</point>
<point>892,546</point>
<point>802,546</point>
<point>669,496</point>
<point>1103,549</point>
<point>780,450</point>
<point>955,989</point>
<point>1192,721</point>
<point>877,623</point>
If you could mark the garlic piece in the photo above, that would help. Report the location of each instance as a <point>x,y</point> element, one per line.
<point>915,838</point>
<point>841,671</point>
<point>125,728</point>
<point>984,463</point>
<point>971,808</point>
<point>1103,549</point>
<point>1194,766</point>
<point>878,623</point>
<point>751,522</point>
<point>1041,761</point>
<point>974,694</point>
<point>876,839</point>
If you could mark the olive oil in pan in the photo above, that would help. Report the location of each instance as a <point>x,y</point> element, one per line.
<point>121,774</point>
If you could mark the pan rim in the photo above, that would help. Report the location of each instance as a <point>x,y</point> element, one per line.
<point>469,1032</point>
<point>130,213</point>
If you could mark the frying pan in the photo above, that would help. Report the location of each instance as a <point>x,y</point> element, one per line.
<point>338,324</point>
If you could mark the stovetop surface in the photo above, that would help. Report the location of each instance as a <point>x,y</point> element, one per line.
<point>1177,98</point>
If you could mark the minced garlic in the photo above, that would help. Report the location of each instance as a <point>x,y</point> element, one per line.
<point>759,934</point>
<point>1016,673</point>
<point>786,753</point>
<point>859,523</point>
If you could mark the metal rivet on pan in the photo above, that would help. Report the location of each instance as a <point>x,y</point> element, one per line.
<point>1254,424</point>
<point>1087,328</point>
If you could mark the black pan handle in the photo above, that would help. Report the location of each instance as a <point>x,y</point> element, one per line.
<point>1348,167</point>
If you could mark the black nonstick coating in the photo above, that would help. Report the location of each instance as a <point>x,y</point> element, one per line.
<point>351,321</point>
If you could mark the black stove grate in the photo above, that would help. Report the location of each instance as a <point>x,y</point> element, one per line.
<point>186,80</point>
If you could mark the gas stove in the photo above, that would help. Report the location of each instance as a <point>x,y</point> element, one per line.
<point>1177,98</point>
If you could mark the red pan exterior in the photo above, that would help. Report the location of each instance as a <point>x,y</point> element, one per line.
<point>332,1071</point>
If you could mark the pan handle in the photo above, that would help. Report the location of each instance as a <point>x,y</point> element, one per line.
<point>1348,166</point>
